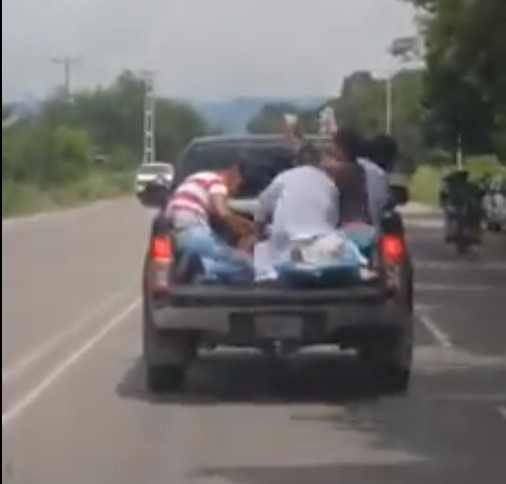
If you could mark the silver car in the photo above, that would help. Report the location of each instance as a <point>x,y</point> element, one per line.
<point>494,204</point>
<point>149,172</point>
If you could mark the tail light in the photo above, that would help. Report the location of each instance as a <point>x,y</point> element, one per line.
<point>161,249</point>
<point>161,256</point>
<point>392,249</point>
<point>392,253</point>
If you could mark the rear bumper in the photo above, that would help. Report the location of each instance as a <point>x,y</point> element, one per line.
<point>315,324</point>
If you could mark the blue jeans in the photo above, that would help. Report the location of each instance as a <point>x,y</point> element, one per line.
<point>363,236</point>
<point>221,262</point>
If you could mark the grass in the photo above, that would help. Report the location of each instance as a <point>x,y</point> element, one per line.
<point>24,199</point>
<point>425,185</point>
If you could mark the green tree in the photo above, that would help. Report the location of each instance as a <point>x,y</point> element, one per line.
<point>362,106</point>
<point>466,77</point>
<point>114,119</point>
<point>46,153</point>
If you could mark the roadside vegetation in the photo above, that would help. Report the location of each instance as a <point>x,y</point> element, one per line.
<point>87,147</point>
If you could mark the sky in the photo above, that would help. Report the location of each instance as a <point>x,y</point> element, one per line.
<point>201,49</point>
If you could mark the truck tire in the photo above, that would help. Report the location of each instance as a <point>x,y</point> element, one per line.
<point>165,378</point>
<point>394,379</point>
<point>167,355</point>
<point>390,362</point>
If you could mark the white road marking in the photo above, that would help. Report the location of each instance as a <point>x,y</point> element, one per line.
<point>14,371</point>
<point>415,208</point>
<point>428,286</point>
<point>474,265</point>
<point>439,335</point>
<point>433,223</point>
<point>502,411</point>
<point>21,405</point>
<point>480,397</point>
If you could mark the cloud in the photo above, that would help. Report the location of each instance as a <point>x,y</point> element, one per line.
<point>203,48</point>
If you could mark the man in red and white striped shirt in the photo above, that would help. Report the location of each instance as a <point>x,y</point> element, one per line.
<point>204,195</point>
<point>199,198</point>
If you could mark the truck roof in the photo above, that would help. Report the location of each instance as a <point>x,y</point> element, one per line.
<point>248,138</point>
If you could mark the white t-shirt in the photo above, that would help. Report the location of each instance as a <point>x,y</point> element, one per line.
<point>303,202</point>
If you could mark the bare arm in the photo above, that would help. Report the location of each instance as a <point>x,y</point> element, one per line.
<point>268,199</point>
<point>241,227</point>
<point>294,133</point>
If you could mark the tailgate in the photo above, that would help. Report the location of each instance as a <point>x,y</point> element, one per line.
<point>219,296</point>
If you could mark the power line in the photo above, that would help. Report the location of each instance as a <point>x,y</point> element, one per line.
<point>67,63</point>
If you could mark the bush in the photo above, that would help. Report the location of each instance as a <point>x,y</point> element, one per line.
<point>425,185</point>
<point>480,166</point>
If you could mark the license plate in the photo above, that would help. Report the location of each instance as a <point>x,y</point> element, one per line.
<point>279,327</point>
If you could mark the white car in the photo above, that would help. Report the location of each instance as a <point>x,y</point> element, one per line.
<point>149,173</point>
<point>494,204</point>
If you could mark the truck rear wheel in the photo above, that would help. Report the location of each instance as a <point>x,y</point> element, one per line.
<point>167,355</point>
<point>390,362</point>
<point>394,379</point>
<point>165,378</point>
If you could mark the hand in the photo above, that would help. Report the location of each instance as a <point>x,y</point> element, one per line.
<point>247,244</point>
<point>245,227</point>
<point>293,129</point>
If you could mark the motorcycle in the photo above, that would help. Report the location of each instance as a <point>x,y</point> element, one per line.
<point>461,231</point>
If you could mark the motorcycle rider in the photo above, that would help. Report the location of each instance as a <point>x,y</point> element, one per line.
<point>460,193</point>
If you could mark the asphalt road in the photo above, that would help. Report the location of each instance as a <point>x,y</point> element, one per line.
<point>74,408</point>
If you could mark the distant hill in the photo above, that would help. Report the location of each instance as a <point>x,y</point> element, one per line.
<point>232,116</point>
<point>21,104</point>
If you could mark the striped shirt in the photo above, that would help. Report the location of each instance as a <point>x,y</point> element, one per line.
<point>191,200</point>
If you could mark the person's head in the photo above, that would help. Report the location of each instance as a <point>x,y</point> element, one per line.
<point>235,175</point>
<point>347,145</point>
<point>307,155</point>
<point>458,177</point>
<point>382,150</point>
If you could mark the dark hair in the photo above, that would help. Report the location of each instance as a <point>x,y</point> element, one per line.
<point>349,142</point>
<point>382,150</point>
<point>308,154</point>
<point>242,167</point>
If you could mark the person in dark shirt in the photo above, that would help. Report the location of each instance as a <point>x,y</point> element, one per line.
<point>351,178</point>
<point>458,192</point>
<point>383,150</point>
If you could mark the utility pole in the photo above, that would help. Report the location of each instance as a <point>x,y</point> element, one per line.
<point>389,104</point>
<point>67,63</point>
<point>401,48</point>
<point>460,152</point>
<point>149,117</point>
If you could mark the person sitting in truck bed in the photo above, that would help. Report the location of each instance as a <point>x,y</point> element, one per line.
<point>198,199</point>
<point>378,158</point>
<point>304,203</point>
<point>362,172</point>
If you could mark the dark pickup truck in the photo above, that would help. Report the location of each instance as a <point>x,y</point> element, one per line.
<point>374,318</point>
